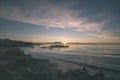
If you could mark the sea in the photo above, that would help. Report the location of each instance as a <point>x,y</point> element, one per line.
<point>105,57</point>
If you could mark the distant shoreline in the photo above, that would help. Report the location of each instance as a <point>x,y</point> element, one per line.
<point>42,43</point>
<point>19,43</point>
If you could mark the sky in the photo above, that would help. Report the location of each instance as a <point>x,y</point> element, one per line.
<point>85,21</point>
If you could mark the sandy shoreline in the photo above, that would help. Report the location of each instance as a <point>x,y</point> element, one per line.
<point>64,61</point>
<point>32,63</point>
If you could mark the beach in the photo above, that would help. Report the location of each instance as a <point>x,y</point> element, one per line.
<point>17,65</point>
<point>72,61</point>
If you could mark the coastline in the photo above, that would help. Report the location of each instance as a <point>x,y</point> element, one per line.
<point>56,58</point>
<point>16,61</point>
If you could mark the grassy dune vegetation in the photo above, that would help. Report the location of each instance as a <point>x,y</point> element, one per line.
<point>13,43</point>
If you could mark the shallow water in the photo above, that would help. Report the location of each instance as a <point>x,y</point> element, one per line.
<point>104,55</point>
<point>107,56</point>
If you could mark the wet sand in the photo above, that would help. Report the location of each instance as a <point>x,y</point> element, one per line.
<point>66,64</point>
<point>22,62</point>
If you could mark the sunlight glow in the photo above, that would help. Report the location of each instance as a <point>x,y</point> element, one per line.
<point>64,42</point>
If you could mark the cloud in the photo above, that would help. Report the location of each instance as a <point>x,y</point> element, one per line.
<point>48,13</point>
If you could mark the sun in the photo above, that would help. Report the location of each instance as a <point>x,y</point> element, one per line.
<point>64,42</point>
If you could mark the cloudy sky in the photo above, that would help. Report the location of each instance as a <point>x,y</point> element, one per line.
<point>60,20</point>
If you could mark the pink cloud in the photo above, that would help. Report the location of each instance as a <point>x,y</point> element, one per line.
<point>49,15</point>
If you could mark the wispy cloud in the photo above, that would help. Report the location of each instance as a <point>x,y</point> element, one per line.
<point>48,14</point>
